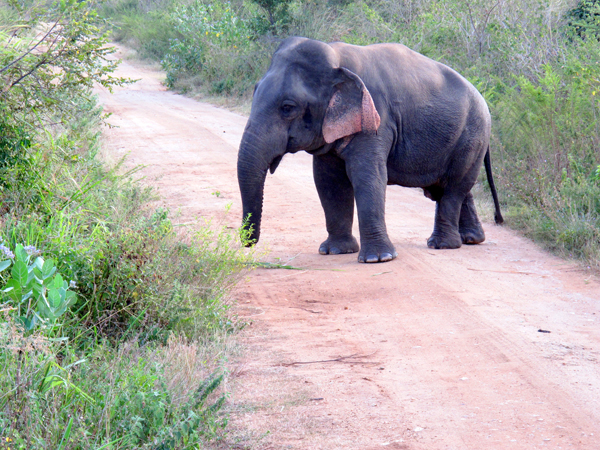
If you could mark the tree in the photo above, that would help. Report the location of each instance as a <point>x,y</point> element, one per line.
<point>52,54</point>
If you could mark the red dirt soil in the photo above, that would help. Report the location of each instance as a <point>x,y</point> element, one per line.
<point>434,350</point>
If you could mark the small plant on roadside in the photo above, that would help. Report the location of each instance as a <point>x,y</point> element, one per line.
<point>35,292</point>
<point>202,29</point>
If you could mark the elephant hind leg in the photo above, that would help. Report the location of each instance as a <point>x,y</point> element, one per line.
<point>471,231</point>
<point>445,231</point>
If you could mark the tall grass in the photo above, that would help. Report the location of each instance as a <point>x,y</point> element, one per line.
<point>133,397</point>
<point>111,321</point>
<point>96,375</point>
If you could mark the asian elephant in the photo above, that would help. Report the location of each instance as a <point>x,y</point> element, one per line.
<point>370,116</point>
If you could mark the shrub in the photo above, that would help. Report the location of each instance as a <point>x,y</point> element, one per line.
<point>83,365</point>
<point>44,66</point>
<point>51,398</point>
<point>212,41</point>
<point>34,291</point>
<point>584,19</point>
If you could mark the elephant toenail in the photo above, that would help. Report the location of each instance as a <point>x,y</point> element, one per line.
<point>372,259</point>
<point>323,250</point>
<point>334,251</point>
<point>386,257</point>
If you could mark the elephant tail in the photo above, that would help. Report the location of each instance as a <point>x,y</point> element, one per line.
<point>488,170</point>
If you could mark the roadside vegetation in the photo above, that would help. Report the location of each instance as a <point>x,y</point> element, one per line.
<point>112,322</point>
<point>536,62</point>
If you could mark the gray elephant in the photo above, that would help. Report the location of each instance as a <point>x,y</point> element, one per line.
<point>370,116</point>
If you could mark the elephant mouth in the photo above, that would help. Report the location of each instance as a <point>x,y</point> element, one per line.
<point>273,165</point>
<point>320,151</point>
<point>328,147</point>
<point>315,152</point>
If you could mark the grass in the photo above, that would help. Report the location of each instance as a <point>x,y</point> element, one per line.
<point>114,326</point>
<point>146,296</point>
<point>135,396</point>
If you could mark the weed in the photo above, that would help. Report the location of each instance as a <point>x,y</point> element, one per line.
<point>85,364</point>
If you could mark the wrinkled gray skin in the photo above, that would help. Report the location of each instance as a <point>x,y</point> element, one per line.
<point>371,116</point>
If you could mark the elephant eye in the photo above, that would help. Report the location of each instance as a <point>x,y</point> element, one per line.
<point>288,107</point>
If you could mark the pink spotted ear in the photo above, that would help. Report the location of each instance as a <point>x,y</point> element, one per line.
<point>351,109</point>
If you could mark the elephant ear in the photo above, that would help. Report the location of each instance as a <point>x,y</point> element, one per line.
<point>351,109</point>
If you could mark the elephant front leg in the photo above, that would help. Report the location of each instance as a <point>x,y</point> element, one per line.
<point>337,198</point>
<point>369,183</point>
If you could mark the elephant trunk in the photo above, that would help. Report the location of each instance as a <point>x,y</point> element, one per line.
<point>252,169</point>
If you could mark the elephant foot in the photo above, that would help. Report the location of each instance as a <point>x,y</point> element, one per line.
<point>372,253</point>
<point>339,245</point>
<point>472,236</point>
<point>444,241</point>
<point>469,226</point>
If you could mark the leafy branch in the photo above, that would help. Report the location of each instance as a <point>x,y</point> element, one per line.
<point>43,65</point>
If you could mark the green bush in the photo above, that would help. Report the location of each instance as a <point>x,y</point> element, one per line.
<point>52,399</point>
<point>96,363</point>
<point>14,142</point>
<point>212,42</point>
<point>145,26</point>
<point>46,65</point>
<point>584,19</point>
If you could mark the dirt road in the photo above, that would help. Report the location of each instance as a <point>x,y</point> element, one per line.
<point>434,350</point>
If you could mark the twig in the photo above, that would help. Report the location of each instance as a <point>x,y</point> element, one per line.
<point>340,359</point>
<point>31,49</point>
<point>268,265</point>
<point>504,271</point>
<point>309,310</point>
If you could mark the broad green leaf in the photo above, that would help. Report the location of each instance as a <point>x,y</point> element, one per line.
<point>38,273</point>
<point>39,263</point>
<point>13,289</point>
<point>37,290</point>
<point>58,281</point>
<point>60,311</point>
<point>70,298</point>
<point>43,309</point>
<point>27,324</point>
<point>19,273</point>
<point>31,274</point>
<point>48,269</point>
<point>4,265</point>
<point>26,295</point>
<point>54,299</point>
<point>21,254</point>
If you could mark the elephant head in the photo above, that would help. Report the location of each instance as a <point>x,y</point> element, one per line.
<point>305,101</point>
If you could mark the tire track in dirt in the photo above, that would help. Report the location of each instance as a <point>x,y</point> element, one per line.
<point>445,344</point>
